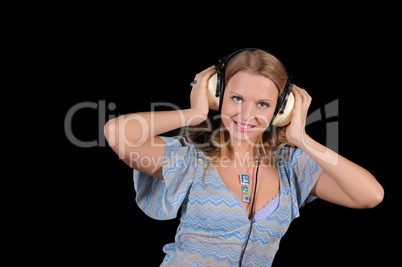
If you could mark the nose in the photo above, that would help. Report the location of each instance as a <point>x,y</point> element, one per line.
<point>247,112</point>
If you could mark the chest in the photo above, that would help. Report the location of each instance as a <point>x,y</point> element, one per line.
<point>268,185</point>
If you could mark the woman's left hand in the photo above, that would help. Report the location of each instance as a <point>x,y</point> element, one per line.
<point>295,131</point>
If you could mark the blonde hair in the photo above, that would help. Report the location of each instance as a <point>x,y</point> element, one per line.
<point>215,139</point>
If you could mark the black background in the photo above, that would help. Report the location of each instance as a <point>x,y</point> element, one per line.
<point>135,59</point>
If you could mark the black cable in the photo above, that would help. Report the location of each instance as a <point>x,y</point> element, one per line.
<point>252,214</point>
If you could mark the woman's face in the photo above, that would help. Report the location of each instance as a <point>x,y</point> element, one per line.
<point>248,106</point>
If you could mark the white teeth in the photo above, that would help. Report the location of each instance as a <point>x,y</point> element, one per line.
<point>243,126</point>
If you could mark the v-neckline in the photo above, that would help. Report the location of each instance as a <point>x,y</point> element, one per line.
<point>241,204</point>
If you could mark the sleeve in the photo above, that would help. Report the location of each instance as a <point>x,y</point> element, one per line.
<point>161,199</point>
<point>303,173</point>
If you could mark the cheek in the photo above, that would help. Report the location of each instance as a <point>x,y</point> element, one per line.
<point>227,104</point>
<point>227,112</point>
<point>264,118</point>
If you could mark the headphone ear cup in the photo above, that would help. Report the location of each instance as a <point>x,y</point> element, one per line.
<point>285,118</point>
<point>213,100</point>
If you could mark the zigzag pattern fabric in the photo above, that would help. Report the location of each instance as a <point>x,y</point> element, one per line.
<point>213,224</point>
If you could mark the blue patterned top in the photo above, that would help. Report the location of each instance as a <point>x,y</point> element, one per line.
<point>213,224</point>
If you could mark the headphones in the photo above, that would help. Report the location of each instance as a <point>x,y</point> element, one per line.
<point>216,88</point>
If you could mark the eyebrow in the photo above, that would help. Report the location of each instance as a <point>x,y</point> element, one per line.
<point>265,99</point>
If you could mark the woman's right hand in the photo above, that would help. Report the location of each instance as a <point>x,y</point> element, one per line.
<point>198,96</point>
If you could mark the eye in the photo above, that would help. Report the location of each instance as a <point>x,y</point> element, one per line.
<point>263,105</point>
<point>237,99</point>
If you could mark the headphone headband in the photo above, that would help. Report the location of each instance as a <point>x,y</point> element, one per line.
<point>225,59</point>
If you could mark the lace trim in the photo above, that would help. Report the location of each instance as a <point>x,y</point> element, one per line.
<point>268,209</point>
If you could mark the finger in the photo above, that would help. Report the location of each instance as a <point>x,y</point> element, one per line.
<point>296,92</point>
<point>306,98</point>
<point>303,93</point>
<point>207,73</point>
<point>309,99</point>
<point>209,69</point>
<point>298,98</point>
<point>199,76</point>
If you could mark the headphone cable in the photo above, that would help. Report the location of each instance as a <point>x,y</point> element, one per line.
<point>252,214</point>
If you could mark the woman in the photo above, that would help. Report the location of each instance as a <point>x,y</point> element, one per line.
<point>228,217</point>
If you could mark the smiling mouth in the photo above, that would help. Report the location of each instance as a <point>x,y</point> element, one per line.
<point>243,126</point>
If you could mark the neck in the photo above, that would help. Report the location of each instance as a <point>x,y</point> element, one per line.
<point>242,153</point>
